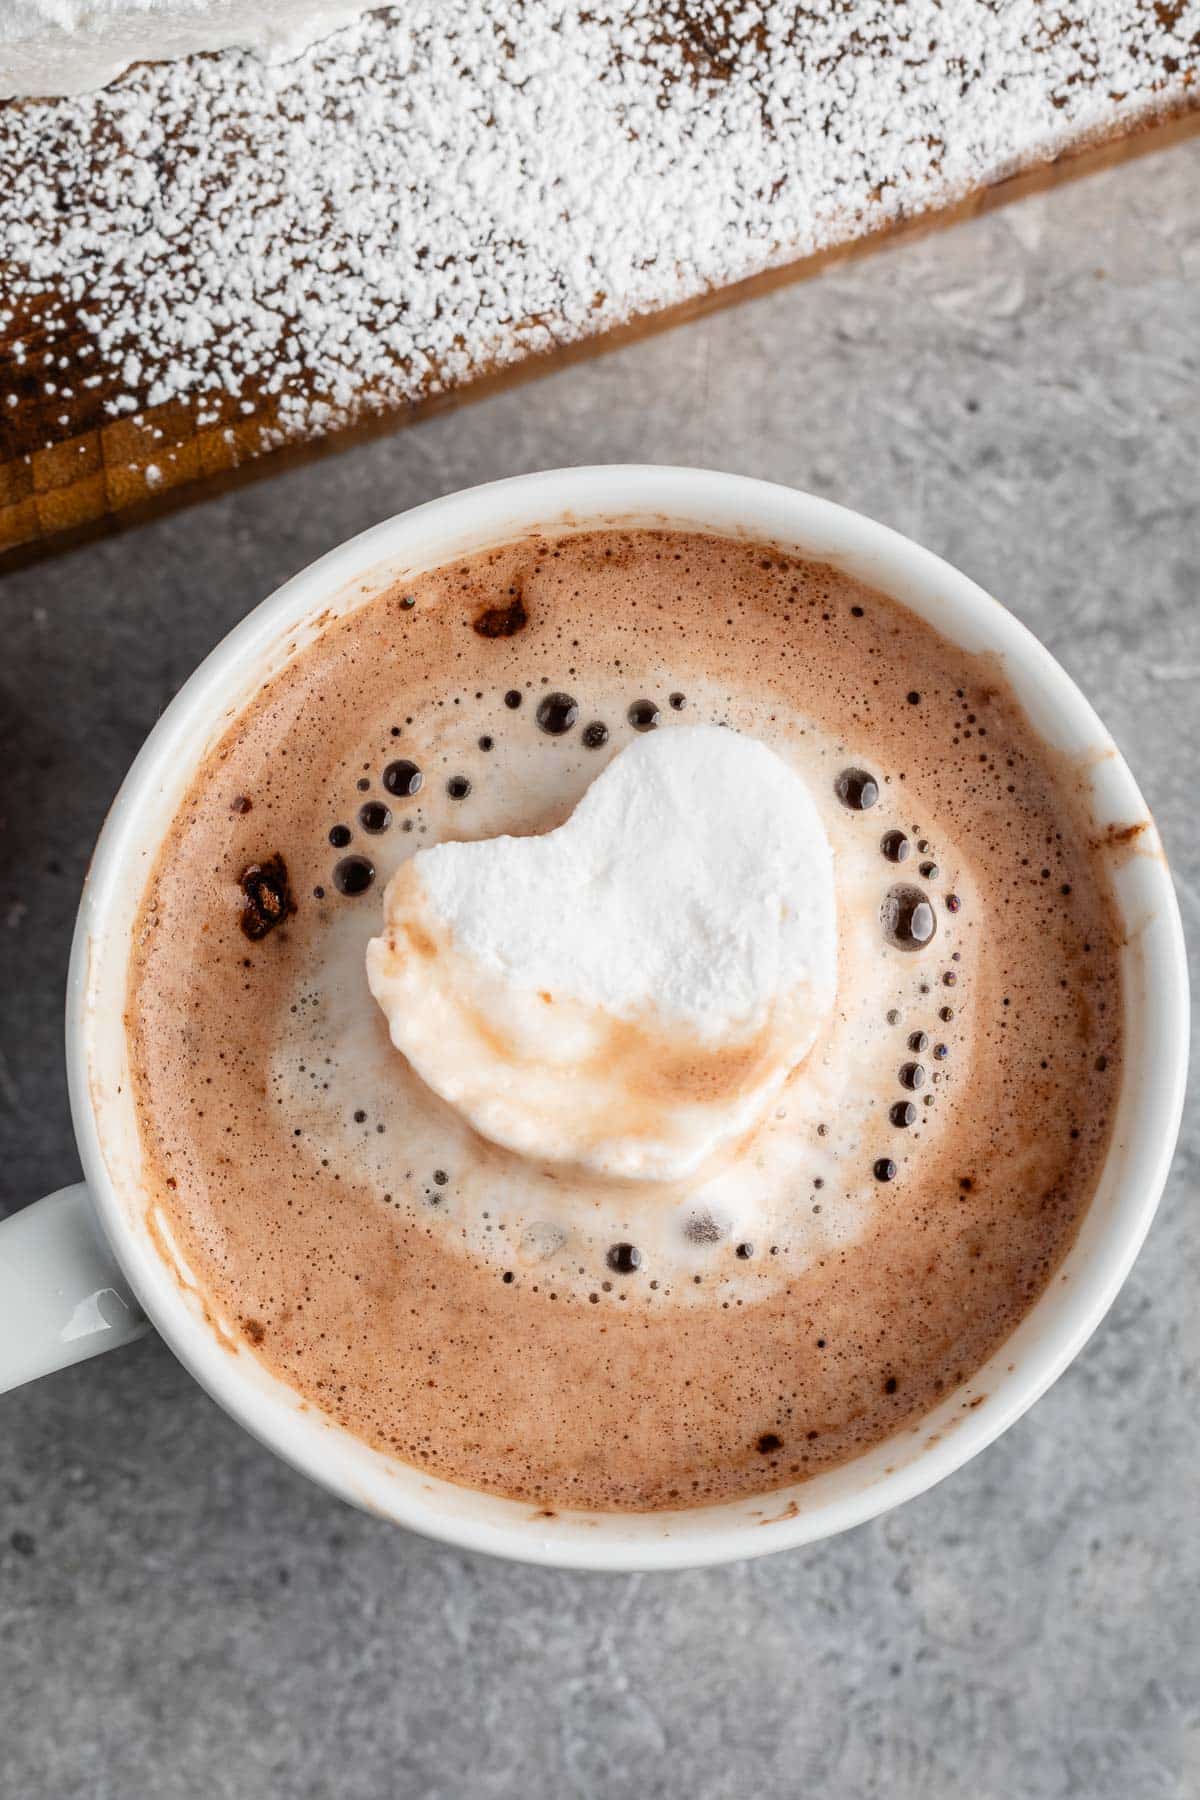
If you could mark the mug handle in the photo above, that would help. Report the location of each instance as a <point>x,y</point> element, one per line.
<point>62,1296</point>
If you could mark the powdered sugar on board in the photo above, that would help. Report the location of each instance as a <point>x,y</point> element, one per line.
<point>438,191</point>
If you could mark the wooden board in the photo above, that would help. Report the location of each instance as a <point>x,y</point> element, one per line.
<point>70,465</point>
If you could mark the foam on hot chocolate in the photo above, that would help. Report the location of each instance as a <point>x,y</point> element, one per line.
<point>523,1323</point>
<point>626,993</point>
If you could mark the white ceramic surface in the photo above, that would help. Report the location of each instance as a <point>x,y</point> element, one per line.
<point>1036,1353</point>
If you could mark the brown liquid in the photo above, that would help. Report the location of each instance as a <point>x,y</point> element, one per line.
<point>367,1277</point>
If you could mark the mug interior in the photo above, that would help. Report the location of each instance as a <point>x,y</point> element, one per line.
<point>1149,1105</point>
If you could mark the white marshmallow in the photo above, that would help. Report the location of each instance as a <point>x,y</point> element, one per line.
<point>628,992</point>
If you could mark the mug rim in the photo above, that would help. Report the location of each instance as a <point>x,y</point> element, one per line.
<point>585,498</point>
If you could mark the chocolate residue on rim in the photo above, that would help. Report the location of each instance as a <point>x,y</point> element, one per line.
<point>269,899</point>
<point>1117,835</point>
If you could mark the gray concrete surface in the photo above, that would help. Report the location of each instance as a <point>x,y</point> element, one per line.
<point>181,1615</point>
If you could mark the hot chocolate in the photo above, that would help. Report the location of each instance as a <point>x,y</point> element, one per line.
<point>675,1200</point>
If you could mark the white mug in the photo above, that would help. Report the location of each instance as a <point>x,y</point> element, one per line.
<point>83,1270</point>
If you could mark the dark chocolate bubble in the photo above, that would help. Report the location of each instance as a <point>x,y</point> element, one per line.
<point>895,846</point>
<point>556,713</point>
<point>402,778</point>
<point>353,875</point>
<point>374,816</point>
<point>595,735</point>
<point>623,1259</point>
<point>857,789</point>
<point>268,897</point>
<point>643,715</point>
<point>909,921</point>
